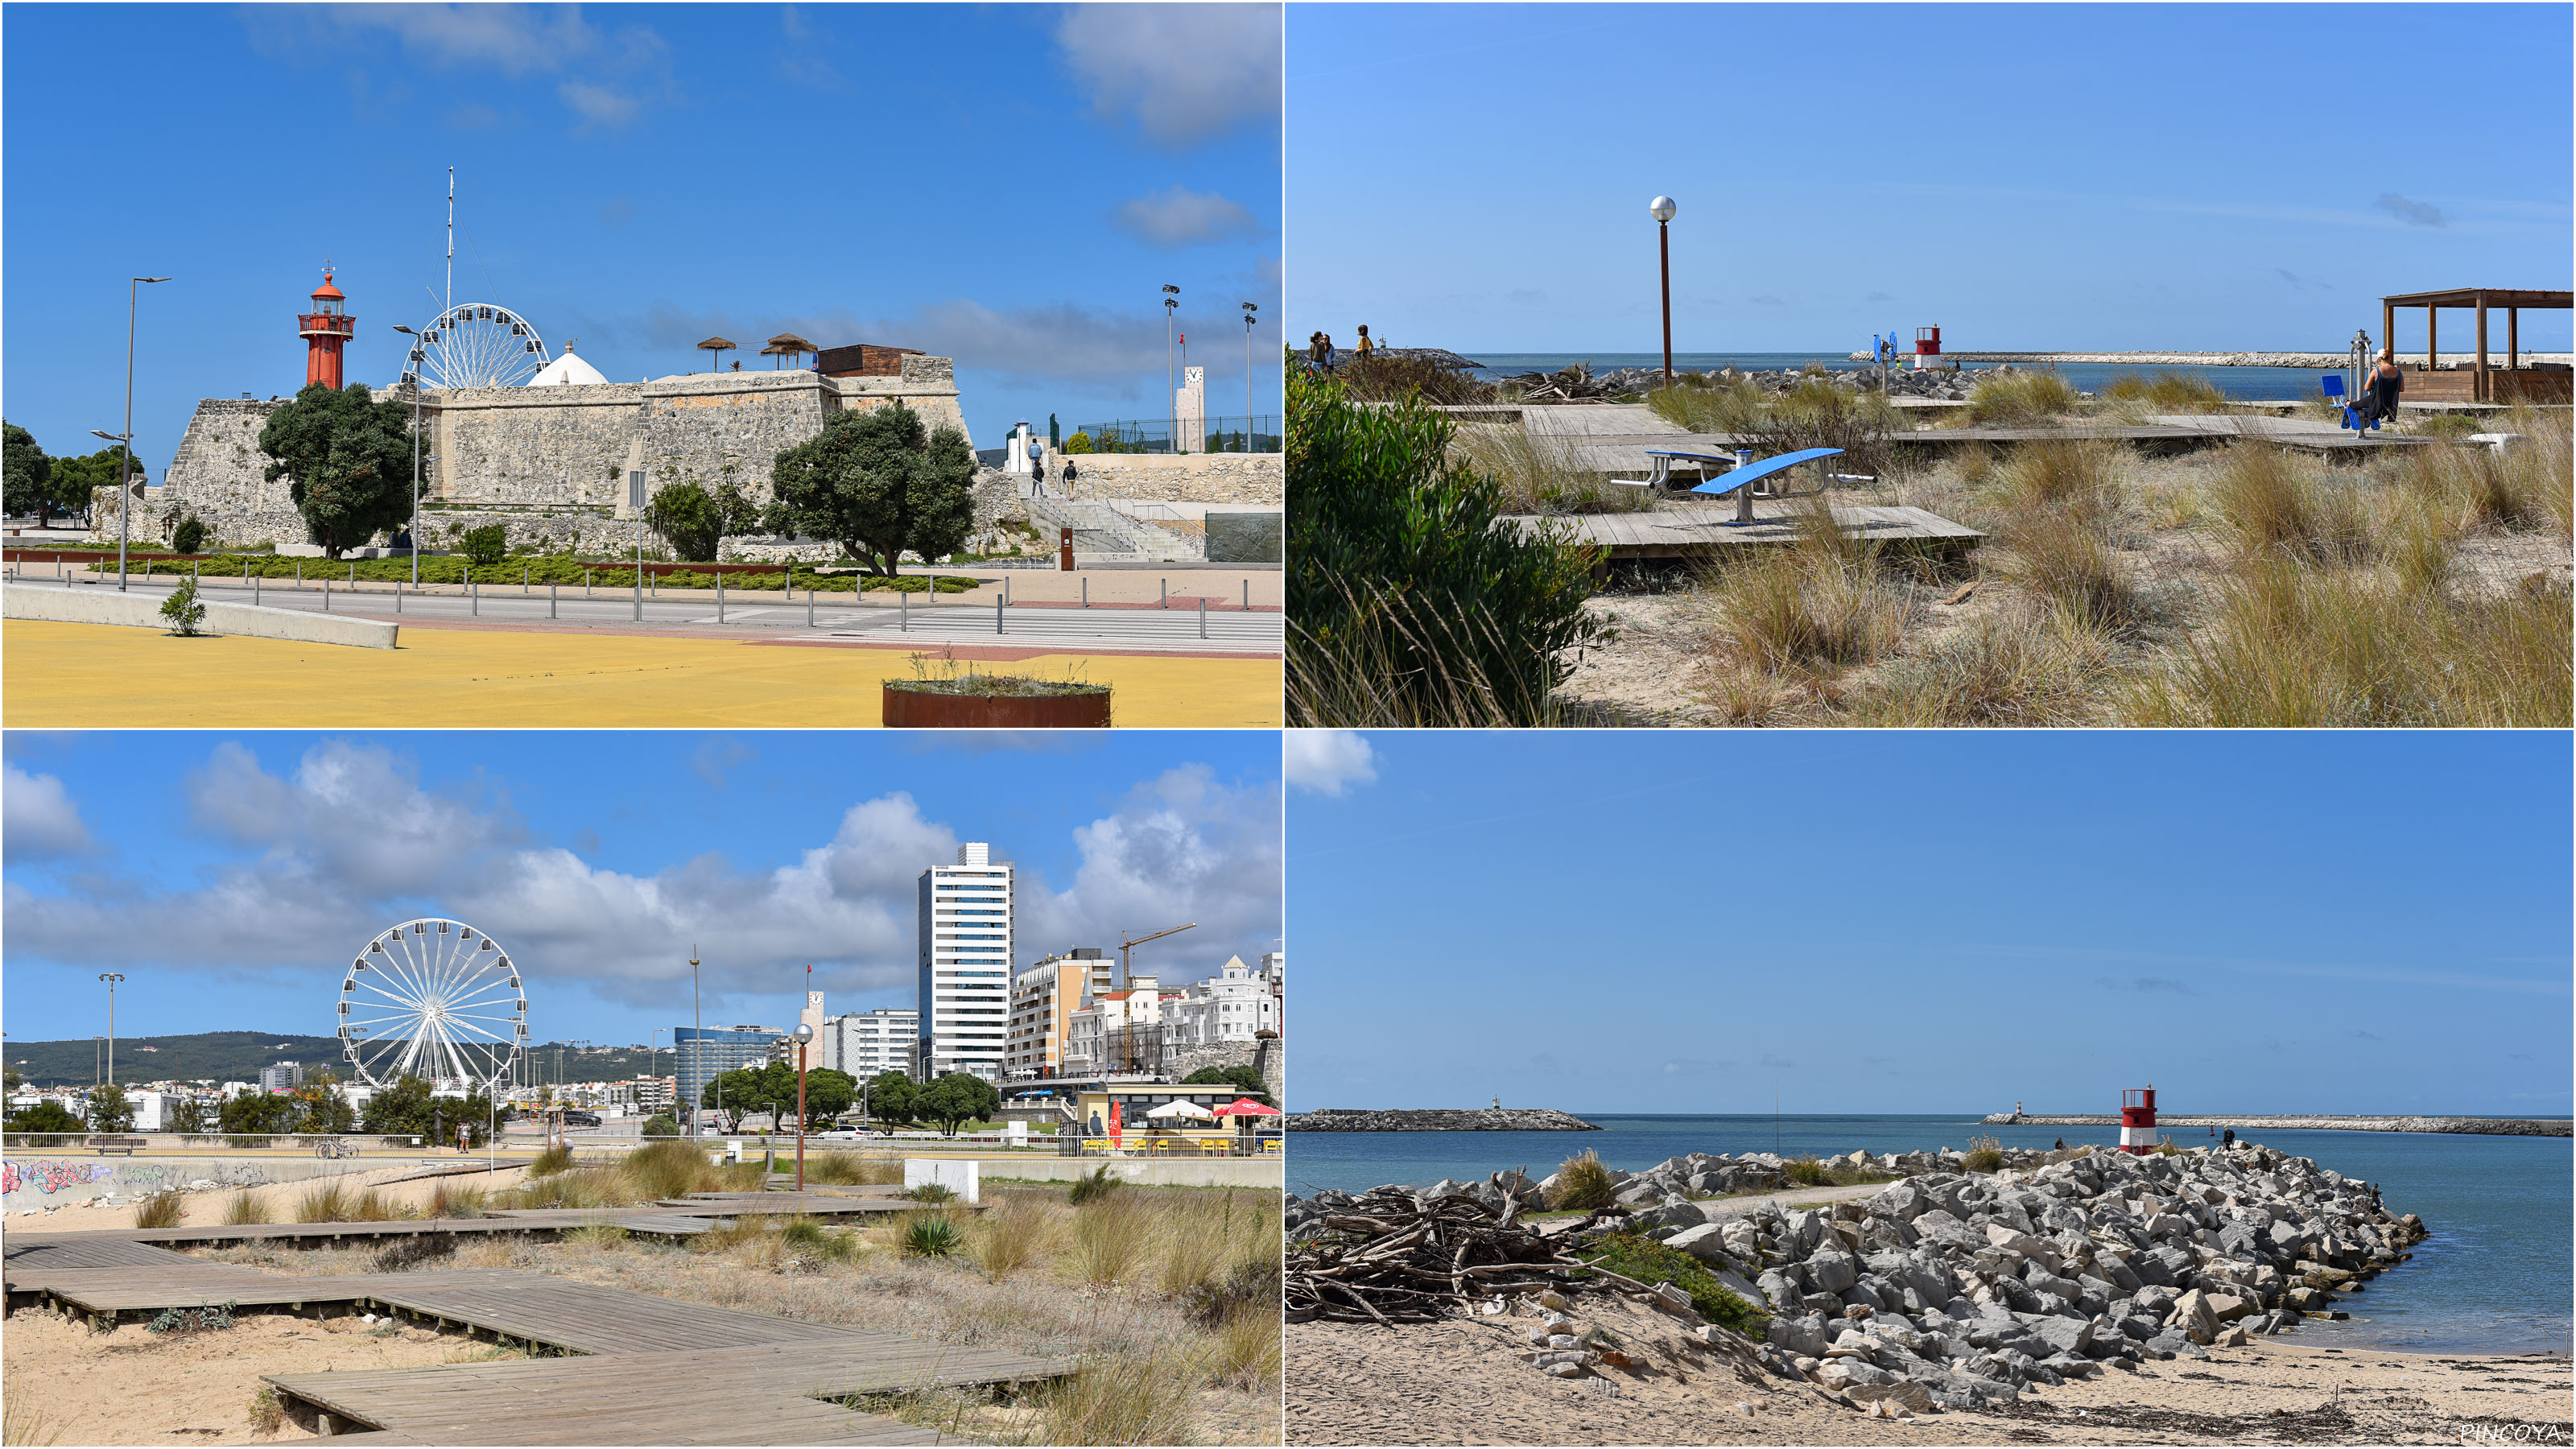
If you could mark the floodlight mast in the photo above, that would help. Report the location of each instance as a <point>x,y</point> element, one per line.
<point>1128,943</point>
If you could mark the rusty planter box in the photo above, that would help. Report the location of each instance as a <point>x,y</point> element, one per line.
<point>907,707</point>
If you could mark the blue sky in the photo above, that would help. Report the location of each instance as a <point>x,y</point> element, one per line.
<point>231,875</point>
<point>2191,177</point>
<point>1932,922</point>
<point>1011,185</point>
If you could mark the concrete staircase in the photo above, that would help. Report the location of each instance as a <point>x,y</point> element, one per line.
<point>1112,536</point>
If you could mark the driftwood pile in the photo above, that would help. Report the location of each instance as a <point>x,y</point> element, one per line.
<point>1392,1258</point>
<point>1567,384</point>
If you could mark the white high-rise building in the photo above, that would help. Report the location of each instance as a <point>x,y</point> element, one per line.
<point>965,940</point>
<point>864,1043</point>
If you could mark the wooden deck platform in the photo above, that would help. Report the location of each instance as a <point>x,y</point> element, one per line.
<point>639,1370</point>
<point>1684,530</point>
<point>685,1216</point>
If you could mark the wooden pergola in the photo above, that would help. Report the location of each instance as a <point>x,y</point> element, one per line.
<point>2480,299</point>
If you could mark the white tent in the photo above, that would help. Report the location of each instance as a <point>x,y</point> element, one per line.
<point>1182,1109</point>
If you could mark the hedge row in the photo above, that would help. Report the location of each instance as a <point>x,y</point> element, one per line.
<point>452,570</point>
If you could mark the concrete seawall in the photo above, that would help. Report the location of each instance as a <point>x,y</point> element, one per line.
<point>1438,1119</point>
<point>97,604</point>
<point>2474,1126</point>
<point>41,1179</point>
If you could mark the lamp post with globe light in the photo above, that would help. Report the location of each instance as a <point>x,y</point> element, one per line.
<point>803,1035</point>
<point>1662,209</point>
<point>411,373</point>
<point>125,459</point>
<point>1249,308</point>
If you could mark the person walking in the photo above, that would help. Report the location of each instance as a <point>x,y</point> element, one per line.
<point>1070,473</point>
<point>1364,347</point>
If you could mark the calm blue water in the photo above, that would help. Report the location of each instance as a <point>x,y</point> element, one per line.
<point>2262,384</point>
<point>2494,1278</point>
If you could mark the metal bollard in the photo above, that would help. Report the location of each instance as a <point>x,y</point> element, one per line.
<point>255,581</point>
<point>997,616</point>
<point>326,593</point>
<point>1202,616</point>
<point>523,579</point>
<point>398,593</point>
<point>903,606</point>
<point>1086,591</point>
<point>1247,596</point>
<point>475,592</point>
<point>1167,593</point>
<point>585,583</point>
<point>299,573</point>
<point>1006,588</point>
<point>552,599</point>
<point>809,608</point>
<point>719,598</point>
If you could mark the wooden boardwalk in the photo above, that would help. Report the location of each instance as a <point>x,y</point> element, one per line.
<point>1683,530</point>
<point>678,1218</point>
<point>640,1370</point>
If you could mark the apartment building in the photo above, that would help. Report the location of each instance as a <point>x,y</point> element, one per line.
<point>702,1054</point>
<point>1229,1006</point>
<point>965,931</point>
<point>864,1043</point>
<point>1119,1032</point>
<point>1043,1000</point>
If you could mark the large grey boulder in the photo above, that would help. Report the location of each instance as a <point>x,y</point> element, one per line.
<point>1832,1270</point>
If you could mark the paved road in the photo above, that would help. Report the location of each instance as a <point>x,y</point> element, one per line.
<point>1056,628</point>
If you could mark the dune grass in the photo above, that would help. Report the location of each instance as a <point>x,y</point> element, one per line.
<point>1583,1183</point>
<point>853,1169</point>
<point>450,1201</point>
<point>335,1201</point>
<point>1541,474</point>
<point>1011,1236</point>
<point>244,1207</point>
<point>2276,503</point>
<point>162,1209</point>
<point>2018,399</point>
<point>1108,1239</point>
<point>2167,392</point>
<point>664,1168</point>
<point>2023,665</point>
<point>557,1158</point>
<point>1123,1399</point>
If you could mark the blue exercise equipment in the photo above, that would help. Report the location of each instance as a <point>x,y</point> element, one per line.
<point>2332,383</point>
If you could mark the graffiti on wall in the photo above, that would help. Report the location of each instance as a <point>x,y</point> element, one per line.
<point>53,1175</point>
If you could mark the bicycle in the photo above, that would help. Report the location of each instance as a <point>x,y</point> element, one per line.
<point>334,1147</point>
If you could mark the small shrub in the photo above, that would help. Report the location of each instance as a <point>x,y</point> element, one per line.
<point>931,1192</point>
<point>1011,1237</point>
<point>1985,1154</point>
<point>1108,1240</point>
<point>1650,1262</point>
<point>2066,557</point>
<point>1253,1287</point>
<point>1805,1172</point>
<point>1582,1184</point>
<point>328,1203</point>
<point>192,1320</point>
<point>160,1210</point>
<point>853,1169</point>
<point>190,536</point>
<point>2278,507</point>
<point>183,610</point>
<point>2440,425</point>
<point>661,1125</point>
<point>932,1235</point>
<point>1094,1187</point>
<point>557,1158</point>
<point>1249,1350</point>
<point>446,1201</point>
<point>1132,1398</point>
<point>404,1254</point>
<point>267,1411</point>
<point>2171,392</point>
<point>485,546</point>
<point>245,1207</point>
<point>1079,443</point>
<point>2019,398</point>
<point>2023,665</point>
<point>598,1235</point>
<point>1798,611</point>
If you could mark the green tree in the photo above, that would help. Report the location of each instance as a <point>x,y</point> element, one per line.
<point>10,1081</point>
<point>1413,604</point>
<point>190,535</point>
<point>1245,1078</point>
<point>688,519</point>
<point>186,1115</point>
<point>736,511</point>
<point>879,484</point>
<point>661,1125</point>
<point>348,459</point>
<point>1078,443</point>
<point>958,1097</point>
<point>256,1112</point>
<point>319,1105</point>
<point>109,1109</point>
<point>828,1093</point>
<point>485,546</point>
<point>890,1097</point>
<point>44,1117</point>
<point>402,1107</point>
<point>76,481</point>
<point>26,475</point>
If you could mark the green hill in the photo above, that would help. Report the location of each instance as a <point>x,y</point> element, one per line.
<point>237,1056</point>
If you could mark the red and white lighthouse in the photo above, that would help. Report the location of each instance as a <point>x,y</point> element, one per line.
<point>325,331</point>
<point>1927,347</point>
<point>2138,1121</point>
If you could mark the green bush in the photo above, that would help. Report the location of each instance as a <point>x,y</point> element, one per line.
<point>1099,1184</point>
<point>182,609</point>
<point>486,545</point>
<point>607,574</point>
<point>1582,1184</point>
<point>1806,1172</point>
<point>1650,1263</point>
<point>661,1125</point>
<point>1985,1154</point>
<point>687,516</point>
<point>1078,443</point>
<point>1412,605</point>
<point>191,534</point>
<point>557,1158</point>
<point>932,1235</point>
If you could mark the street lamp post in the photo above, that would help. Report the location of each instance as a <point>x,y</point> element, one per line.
<point>804,1033</point>
<point>125,460</point>
<point>1171,406</point>
<point>697,1014</point>
<point>1662,209</point>
<point>1248,319</point>
<point>111,978</point>
<point>413,372</point>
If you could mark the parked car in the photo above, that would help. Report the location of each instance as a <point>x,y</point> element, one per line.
<point>580,1119</point>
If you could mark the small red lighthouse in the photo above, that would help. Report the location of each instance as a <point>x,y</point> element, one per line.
<point>325,330</point>
<point>2138,1121</point>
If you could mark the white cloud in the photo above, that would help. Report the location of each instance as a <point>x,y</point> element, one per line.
<point>1327,761</point>
<point>1188,73</point>
<point>38,818</point>
<point>349,842</point>
<point>598,105</point>
<point>1180,217</point>
<point>609,75</point>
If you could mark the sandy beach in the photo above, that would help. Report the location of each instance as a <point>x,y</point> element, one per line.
<point>1458,1382</point>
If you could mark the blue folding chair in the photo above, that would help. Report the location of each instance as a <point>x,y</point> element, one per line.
<point>2332,383</point>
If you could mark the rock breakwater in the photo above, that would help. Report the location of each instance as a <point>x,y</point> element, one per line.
<point>2473,1126</point>
<point>1954,1289</point>
<point>1438,1119</point>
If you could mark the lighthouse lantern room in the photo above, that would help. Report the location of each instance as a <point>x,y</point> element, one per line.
<point>325,329</point>
<point>2138,1121</point>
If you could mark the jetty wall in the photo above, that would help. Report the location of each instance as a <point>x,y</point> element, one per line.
<point>2476,1126</point>
<point>1438,1119</point>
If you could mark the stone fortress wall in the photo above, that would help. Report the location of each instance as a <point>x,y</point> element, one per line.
<point>548,463</point>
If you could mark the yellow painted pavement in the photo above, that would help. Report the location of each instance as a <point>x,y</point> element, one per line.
<point>66,676</point>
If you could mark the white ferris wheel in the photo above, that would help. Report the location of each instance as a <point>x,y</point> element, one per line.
<point>476,344</point>
<point>434,999</point>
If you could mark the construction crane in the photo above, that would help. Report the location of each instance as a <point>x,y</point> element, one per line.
<point>1127,943</point>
